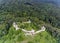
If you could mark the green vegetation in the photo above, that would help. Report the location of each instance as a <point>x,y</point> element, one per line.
<point>14,36</point>
<point>21,11</point>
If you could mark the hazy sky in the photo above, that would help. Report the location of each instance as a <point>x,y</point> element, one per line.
<point>0,1</point>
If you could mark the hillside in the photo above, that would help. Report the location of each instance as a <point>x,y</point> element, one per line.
<point>17,36</point>
<point>40,14</point>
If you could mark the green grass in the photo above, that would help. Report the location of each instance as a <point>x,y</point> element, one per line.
<point>44,37</point>
<point>18,36</point>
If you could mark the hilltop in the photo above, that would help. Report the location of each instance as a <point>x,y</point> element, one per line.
<point>20,11</point>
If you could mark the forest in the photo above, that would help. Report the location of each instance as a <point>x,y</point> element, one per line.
<point>40,14</point>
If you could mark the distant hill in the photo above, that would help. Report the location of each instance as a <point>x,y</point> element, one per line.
<point>55,2</point>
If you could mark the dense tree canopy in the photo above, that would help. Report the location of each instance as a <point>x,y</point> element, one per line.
<point>38,13</point>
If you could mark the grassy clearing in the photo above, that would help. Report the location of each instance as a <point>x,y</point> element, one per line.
<point>18,36</point>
